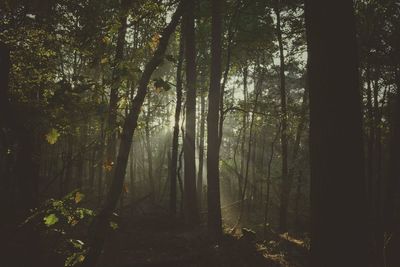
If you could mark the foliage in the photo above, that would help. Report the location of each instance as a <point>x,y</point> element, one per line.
<point>64,218</point>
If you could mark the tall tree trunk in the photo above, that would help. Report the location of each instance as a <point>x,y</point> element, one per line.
<point>249,150</point>
<point>99,227</point>
<point>114,94</point>
<point>294,165</point>
<point>338,185</point>
<point>6,177</point>
<point>189,142</point>
<point>81,158</point>
<point>297,202</point>
<point>175,135</point>
<point>269,166</point>
<point>201,148</point>
<point>149,152</point>
<point>284,200</point>
<point>243,132</point>
<point>132,175</point>
<point>213,192</point>
<point>100,163</point>
<point>392,194</point>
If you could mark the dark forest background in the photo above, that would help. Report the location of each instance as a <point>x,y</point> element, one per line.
<point>200,133</point>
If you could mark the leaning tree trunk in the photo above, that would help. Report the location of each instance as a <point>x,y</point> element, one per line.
<point>213,192</point>
<point>338,185</point>
<point>99,227</point>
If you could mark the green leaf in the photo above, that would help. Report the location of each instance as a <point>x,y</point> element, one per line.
<point>76,243</point>
<point>78,197</point>
<point>114,225</point>
<point>50,220</point>
<point>52,136</point>
<point>75,258</point>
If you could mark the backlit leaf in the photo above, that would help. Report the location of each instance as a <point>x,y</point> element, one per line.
<point>50,220</point>
<point>114,225</point>
<point>52,136</point>
<point>78,197</point>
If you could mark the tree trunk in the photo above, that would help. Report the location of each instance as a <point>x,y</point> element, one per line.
<point>149,152</point>
<point>201,149</point>
<point>189,142</point>
<point>269,166</point>
<point>175,136</point>
<point>392,198</point>
<point>284,198</point>
<point>249,147</point>
<point>213,191</point>
<point>114,94</point>
<point>243,132</point>
<point>338,185</point>
<point>100,224</point>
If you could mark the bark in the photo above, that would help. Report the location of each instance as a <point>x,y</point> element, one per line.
<point>297,222</point>
<point>249,150</point>
<point>338,185</point>
<point>149,152</point>
<point>175,136</point>
<point>213,191</point>
<point>92,169</point>
<point>244,127</point>
<point>6,181</point>
<point>114,94</point>
<point>233,19</point>
<point>267,198</point>
<point>80,168</point>
<point>392,195</point>
<point>201,150</point>
<point>371,136</point>
<point>189,143</point>
<point>287,189</point>
<point>284,117</point>
<point>132,174</point>
<point>100,162</point>
<point>99,227</point>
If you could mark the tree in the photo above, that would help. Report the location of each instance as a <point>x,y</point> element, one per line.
<point>115,86</point>
<point>100,224</point>
<point>175,135</point>
<point>338,197</point>
<point>189,141</point>
<point>213,190</point>
<point>284,198</point>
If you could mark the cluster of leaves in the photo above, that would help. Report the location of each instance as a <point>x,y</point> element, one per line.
<point>65,219</point>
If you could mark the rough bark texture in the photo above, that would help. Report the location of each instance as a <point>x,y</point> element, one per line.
<point>338,184</point>
<point>213,192</point>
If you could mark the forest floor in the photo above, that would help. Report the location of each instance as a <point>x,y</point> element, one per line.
<point>156,240</point>
<point>153,239</point>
